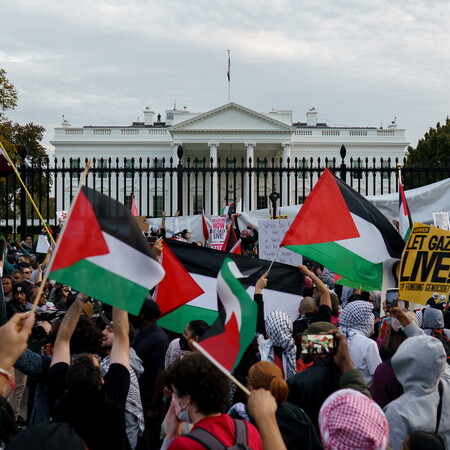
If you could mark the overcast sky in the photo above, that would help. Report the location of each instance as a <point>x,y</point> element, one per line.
<point>102,62</point>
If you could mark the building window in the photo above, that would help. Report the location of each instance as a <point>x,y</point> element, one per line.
<point>102,164</point>
<point>387,172</point>
<point>157,205</point>
<point>129,167</point>
<point>262,202</point>
<point>261,164</point>
<point>198,204</point>
<point>128,201</point>
<point>357,174</point>
<point>304,167</point>
<point>75,164</point>
<point>159,165</point>
<point>199,164</point>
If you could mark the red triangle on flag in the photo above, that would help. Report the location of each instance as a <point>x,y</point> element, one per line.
<point>324,217</point>
<point>177,287</point>
<point>82,236</point>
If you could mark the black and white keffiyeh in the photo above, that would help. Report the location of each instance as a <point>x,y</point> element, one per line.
<point>279,330</point>
<point>357,318</point>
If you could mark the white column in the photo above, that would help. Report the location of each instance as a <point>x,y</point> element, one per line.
<point>249,185</point>
<point>174,199</point>
<point>215,192</point>
<point>286,184</point>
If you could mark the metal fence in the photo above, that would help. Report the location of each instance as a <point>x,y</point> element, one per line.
<point>191,185</point>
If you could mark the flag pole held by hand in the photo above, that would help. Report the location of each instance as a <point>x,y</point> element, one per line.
<point>44,280</point>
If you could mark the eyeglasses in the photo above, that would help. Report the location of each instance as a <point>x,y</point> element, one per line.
<point>26,272</point>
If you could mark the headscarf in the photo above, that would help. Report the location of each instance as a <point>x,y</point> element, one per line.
<point>349,419</point>
<point>279,330</point>
<point>357,318</point>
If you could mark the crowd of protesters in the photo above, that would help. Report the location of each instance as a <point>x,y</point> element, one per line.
<point>80,374</point>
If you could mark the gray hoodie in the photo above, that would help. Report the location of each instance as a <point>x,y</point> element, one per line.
<point>419,364</point>
<point>433,318</point>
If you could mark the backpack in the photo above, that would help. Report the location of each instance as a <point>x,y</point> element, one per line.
<point>441,336</point>
<point>209,441</point>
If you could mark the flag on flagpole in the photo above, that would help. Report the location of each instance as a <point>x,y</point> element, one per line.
<point>203,264</point>
<point>229,336</point>
<point>177,287</point>
<point>229,67</point>
<point>134,210</point>
<point>5,166</point>
<point>205,227</point>
<point>404,216</point>
<point>340,229</point>
<point>102,253</point>
<point>237,248</point>
<point>230,240</point>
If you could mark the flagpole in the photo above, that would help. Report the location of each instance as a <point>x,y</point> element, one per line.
<point>273,260</point>
<point>229,76</point>
<point>222,369</point>
<point>48,270</point>
<point>399,172</point>
<point>28,194</point>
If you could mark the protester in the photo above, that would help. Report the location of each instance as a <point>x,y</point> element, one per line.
<point>199,394</point>
<point>350,420</point>
<point>150,343</point>
<point>357,323</point>
<point>420,366</point>
<point>79,395</point>
<point>296,428</point>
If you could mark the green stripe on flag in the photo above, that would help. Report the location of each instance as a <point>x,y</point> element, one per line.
<point>177,320</point>
<point>248,307</point>
<point>340,260</point>
<point>95,281</point>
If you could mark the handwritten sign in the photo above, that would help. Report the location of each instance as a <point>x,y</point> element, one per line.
<point>441,220</point>
<point>218,232</point>
<point>271,233</point>
<point>425,264</point>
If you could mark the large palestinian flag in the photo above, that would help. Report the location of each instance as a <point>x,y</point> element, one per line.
<point>285,284</point>
<point>103,253</point>
<point>340,229</point>
<point>233,331</point>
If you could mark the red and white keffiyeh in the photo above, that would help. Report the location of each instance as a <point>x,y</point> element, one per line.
<point>350,420</point>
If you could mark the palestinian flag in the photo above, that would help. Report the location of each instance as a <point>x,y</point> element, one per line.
<point>205,227</point>
<point>339,228</point>
<point>233,331</point>
<point>177,287</point>
<point>285,284</point>
<point>230,240</point>
<point>405,222</point>
<point>102,253</point>
<point>237,248</point>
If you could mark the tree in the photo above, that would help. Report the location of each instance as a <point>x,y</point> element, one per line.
<point>432,151</point>
<point>8,94</point>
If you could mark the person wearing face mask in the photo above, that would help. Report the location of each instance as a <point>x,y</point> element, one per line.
<point>199,396</point>
<point>193,331</point>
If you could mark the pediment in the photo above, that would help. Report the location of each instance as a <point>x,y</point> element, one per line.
<point>231,118</point>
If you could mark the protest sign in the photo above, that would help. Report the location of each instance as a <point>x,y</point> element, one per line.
<point>271,232</point>
<point>218,232</point>
<point>425,264</point>
<point>42,244</point>
<point>441,220</point>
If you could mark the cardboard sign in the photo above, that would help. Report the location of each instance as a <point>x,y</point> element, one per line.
<point>142,222</point>
<point>218,232</point>
<point>42,244</point>
<point>425,264</point>
<point>441,220</point>
<point>271,233</point>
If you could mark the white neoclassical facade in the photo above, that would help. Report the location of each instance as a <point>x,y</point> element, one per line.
<point>229,131</point>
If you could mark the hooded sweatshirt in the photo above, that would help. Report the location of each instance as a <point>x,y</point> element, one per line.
<point>433,319</point>
<point>419,364</point>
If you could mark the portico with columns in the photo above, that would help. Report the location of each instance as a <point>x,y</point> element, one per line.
<point>233,133</point>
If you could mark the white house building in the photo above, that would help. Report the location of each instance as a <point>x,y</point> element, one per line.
<point>229,131</point>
